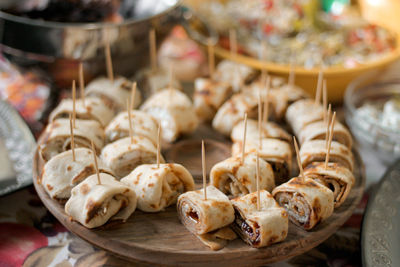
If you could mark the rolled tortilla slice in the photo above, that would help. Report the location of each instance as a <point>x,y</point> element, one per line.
<point>143,124</point>
<point>158,188</point>
<point>234,178</point>
<point>234,73</point>
<point>57,137</point>
<point>317,131</point>
<point>268,130</point>
<point>208,96</point>
<point>232,111</point>
<point>276,152</point>
<point>93,204</point>
<point>337,178</point>
<point>94,109</point>
<point>174,111</point>
<point>315,151</point>
<point>124,155</point>
<point>201,216</point>
<point>153,81</point>
<point>61,173</point>
<point>260,228</point>
<point>113,93</point>
<point>306,201</point>
<point>303,112</point>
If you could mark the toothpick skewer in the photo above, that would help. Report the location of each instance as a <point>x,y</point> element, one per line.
<point>71,128</point>
<point>259,119</point>
<point>82,83</point>
<point>153,50</point>
<point>330,140</point>
<point>133,94</point>
<point>319,87</point>
<point>95,163</point>
<point>110,72</point>
<point>266,101</point>
<point>211,59</point>
<point>129,108</point>
<point>73,103</point>
<point>296,147</point>
<point>328,119</point>
<point>258,180</point>
<point>324,99</point>
<point>203,165</point>
<point>158,145</point>
<point>244,137</point>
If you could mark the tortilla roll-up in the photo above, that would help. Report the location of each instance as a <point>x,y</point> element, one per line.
<point>113,93</point>
<point>303,112</point>
<point>61,173</point>
<point>260,228</point>
<point>143,124</point>
<point>201,215</point>
<point>218,239</point>
<point>124,155</point>
<point>93,204</point>
<point>317,131</point>
<point>268,130</point>
<point>158,187</point>
<point>57,137</point>
<point>208,96</point>
<point>234,73</point>
<point>337,178</point>
<point>234,178</point>
<point>232,111</point>
<point>315,151</point>
<point>306,201</point>
<point>93,109</point>
<point>152,82</point>
<point>276,152</point>
<point>174,111</point>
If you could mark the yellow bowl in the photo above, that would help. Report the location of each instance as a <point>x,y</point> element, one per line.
<point>337,77</point>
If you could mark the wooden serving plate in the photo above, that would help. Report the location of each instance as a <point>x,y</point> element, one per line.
<point>160,238</point>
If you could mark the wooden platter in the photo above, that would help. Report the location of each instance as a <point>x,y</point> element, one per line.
<point>160,238</point>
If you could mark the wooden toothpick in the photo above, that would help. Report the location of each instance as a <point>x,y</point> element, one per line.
<point>71,128</point>
<point>109,66</point>
<point>258,180</point>
<point>244,137</point>
<point>319,87</point>
<point>158,145</point>
<point>133,94</point>
<point>73,103</point>
<point>259,119</point>
<point>95,163</point>
<point>328,119</point>
<point>82,83</point>
<point>266,101</point>
<point>129,108</point>
<point>324,98</point>
<point>203,166</point>
<point>328,150</point>
<point>153,50</point>
<point>296,147</point>
<point>211,59</point>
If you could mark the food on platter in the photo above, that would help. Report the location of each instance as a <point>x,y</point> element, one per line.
<point>143,125</point>
<point>124,155</point>
<point>317,131</point>
<point>236,74</point>
<point>174,111</point>
<point>235,178</point>
<point>260,227</point>
<point>306,201</point>
<point>158,187</point>
<point>114,92</point>
<point>268,130</point>
<point>303,112</point>
<point>56,138</point>
<point>152,81</point>
<point>208,97</point>
<point>62,172</point>
<point>337,178</point>
<point>91,108</point>
<point>315,151</point>
<point>97,200</point>
<point>276,152</point>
